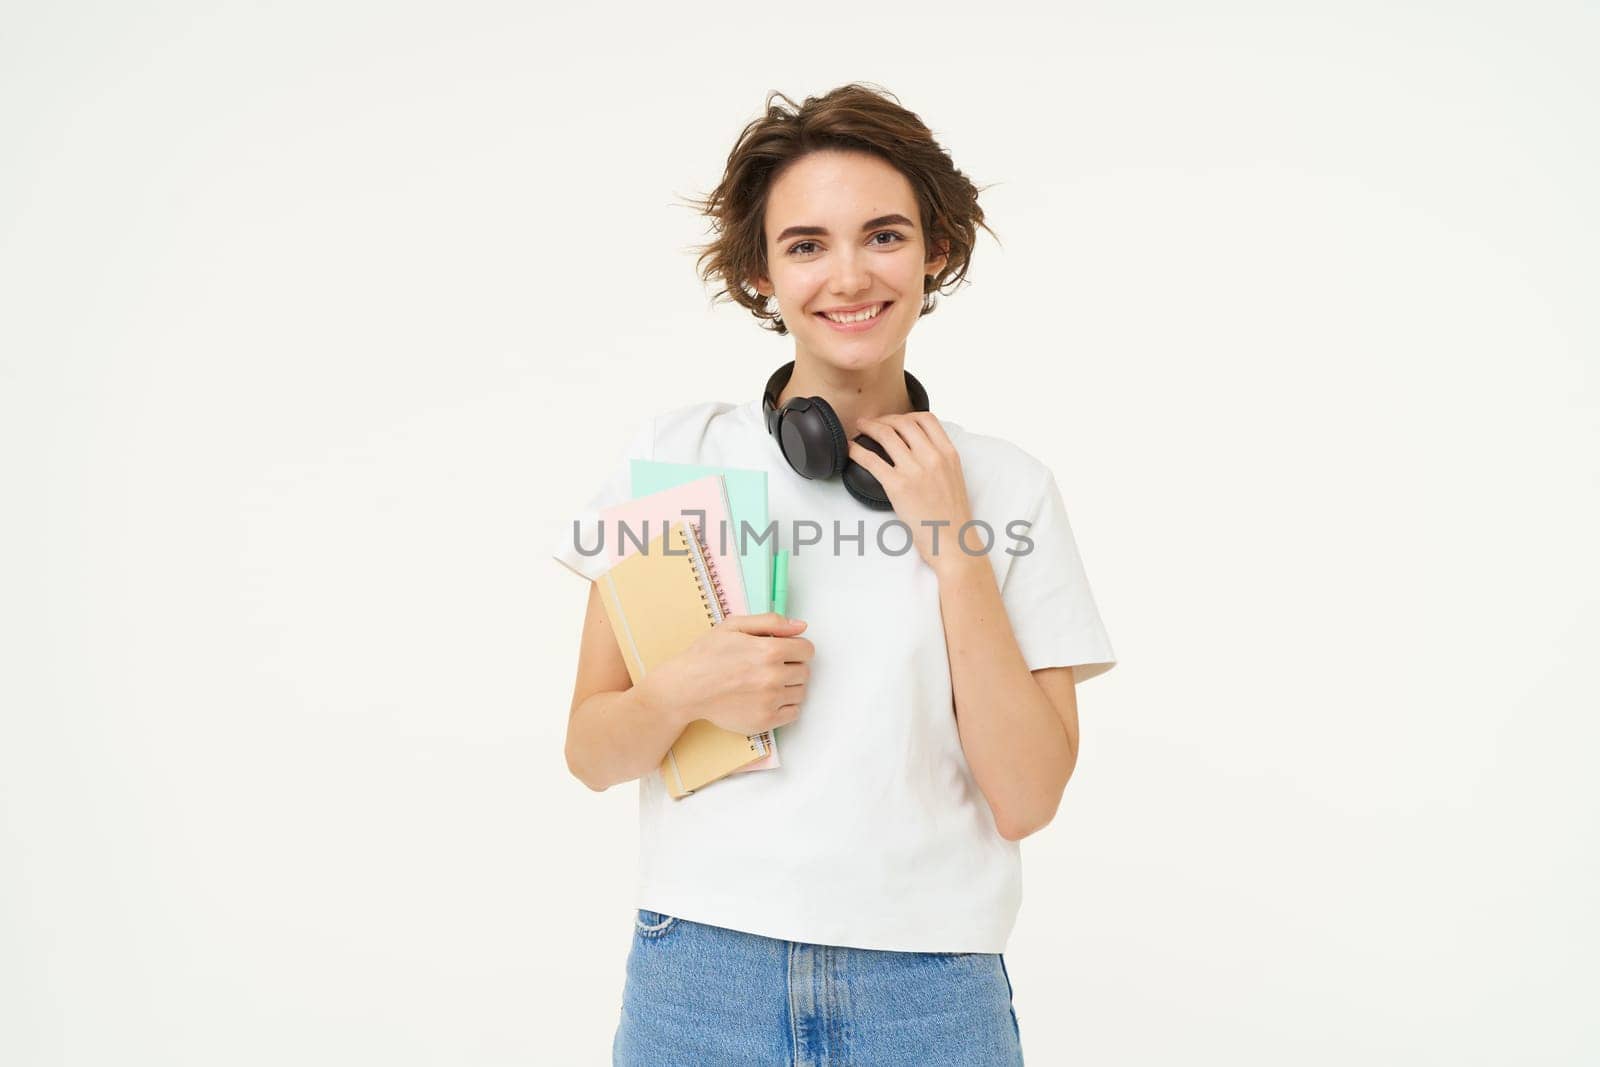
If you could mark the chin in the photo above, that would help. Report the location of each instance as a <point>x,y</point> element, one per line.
<point>852,359</point>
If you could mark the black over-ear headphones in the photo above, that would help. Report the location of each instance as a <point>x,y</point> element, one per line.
<point>812,440</point>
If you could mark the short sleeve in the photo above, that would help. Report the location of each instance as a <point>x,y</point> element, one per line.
<point>1047,596</point>
<point>577,541</point>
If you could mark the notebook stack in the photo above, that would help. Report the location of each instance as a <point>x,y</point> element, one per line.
<point>676,572</point>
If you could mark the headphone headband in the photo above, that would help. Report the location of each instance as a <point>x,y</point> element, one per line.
<point>781,376</point>
<point>812,440</point>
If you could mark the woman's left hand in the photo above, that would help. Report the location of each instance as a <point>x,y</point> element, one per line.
<point>925,484</point>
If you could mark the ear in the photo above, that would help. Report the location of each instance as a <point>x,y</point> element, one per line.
<point>937,263</point>
<point>763,286</point>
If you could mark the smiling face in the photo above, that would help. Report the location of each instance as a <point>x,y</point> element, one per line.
<point>842,231</point>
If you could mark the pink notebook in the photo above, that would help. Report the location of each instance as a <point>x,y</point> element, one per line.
<point>710,496</point>
<point>685,501</point>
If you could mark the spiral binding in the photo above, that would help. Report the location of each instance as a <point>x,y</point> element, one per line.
<point>689,535</point>
<point>706,576</point>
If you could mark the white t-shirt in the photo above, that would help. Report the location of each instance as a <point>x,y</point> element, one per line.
<point>872,833</point>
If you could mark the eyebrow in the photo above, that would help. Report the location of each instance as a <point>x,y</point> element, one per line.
<point>822,231</point>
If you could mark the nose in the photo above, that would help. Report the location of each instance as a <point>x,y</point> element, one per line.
<point>849,275</point>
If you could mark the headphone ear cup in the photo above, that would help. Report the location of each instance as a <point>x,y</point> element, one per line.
<point>861,483</point>
<point>841,454</point>
<point>810,438</point>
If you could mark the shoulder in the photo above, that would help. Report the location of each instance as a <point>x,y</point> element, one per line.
<point>695,416</point>
<point>682,428</point>
<point>998,460</point>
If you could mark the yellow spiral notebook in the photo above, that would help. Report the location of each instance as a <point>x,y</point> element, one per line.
<point>659,602</point>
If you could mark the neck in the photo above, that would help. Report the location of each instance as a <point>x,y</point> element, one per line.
<point>853,394</point>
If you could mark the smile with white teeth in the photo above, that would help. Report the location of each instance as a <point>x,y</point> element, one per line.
<point>855,316</point>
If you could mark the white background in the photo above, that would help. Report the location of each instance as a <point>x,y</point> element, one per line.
<point>314,317</point>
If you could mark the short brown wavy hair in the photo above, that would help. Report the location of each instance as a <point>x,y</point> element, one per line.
<point>854,117</point>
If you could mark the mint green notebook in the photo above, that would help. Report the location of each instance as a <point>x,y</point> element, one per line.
<point>747,498</point>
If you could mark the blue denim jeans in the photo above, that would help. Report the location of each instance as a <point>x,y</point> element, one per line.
<point>698,994</point>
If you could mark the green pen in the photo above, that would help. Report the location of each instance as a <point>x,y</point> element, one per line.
<point>780,583</point>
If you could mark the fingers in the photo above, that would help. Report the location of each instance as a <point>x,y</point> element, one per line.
<point>885,431</point>
<point>935,430</point>
<point>768,622</point>
<point>905,436</point>
<point>792,649</point>
<point>869,459</point>
<point>791,694</point>
<point>785,714</point>
<point>915,433</point>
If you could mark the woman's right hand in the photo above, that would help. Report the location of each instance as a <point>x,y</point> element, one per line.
<point>747,674</point>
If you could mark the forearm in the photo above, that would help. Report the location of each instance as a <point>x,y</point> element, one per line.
<point>1015,742</point>
<point>619,736</point>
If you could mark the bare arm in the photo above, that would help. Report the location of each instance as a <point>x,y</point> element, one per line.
<point>1018,728</point>
<point>614,734</point>
<point>746,674</point>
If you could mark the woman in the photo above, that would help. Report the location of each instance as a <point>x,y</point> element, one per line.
<point>851,905</point>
